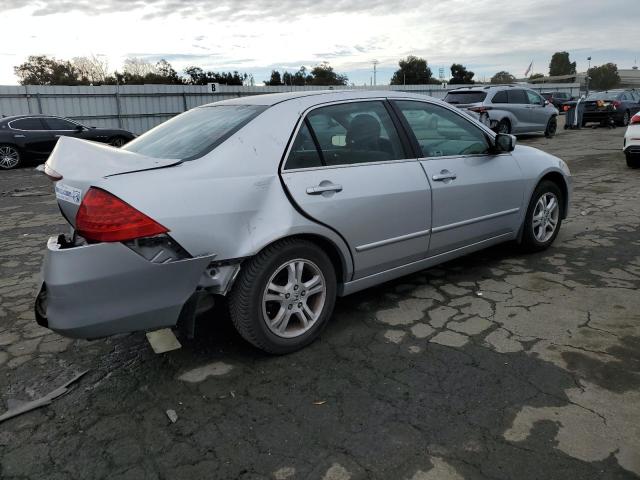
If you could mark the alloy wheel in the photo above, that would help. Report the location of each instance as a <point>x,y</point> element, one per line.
<point>9,157</point>
<point>545,217</point>
<point>294,298</point>
<point>117,142</point>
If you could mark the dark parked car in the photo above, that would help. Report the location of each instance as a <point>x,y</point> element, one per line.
<point>25,137</point>
<point>613,106</point>
<point>557,99</point>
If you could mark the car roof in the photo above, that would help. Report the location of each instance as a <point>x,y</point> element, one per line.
<point>322,96</point>
<point>10,118</point>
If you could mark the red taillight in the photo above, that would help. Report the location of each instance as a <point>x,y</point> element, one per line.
<point>103,217</point>
<point>635,119</point>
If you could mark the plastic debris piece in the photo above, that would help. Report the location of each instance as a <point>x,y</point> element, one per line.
<point>40,402</point>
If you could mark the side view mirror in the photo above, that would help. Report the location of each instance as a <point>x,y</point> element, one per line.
<point>505,142</point>
<point>79,128</point>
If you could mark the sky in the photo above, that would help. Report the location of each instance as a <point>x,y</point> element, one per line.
<point>256,36</point>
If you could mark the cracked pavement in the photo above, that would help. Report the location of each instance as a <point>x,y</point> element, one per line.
<point>494,366</point>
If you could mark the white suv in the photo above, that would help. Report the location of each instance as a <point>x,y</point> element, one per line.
<point>631,145</point>
<point>511,108</point>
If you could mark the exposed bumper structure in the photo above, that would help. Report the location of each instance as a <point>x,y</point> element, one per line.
<point>102,289</point>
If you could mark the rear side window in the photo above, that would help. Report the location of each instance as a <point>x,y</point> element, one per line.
<point>27,124</point>
<point>347,134</point>
<point>456,98</point>
<point>304,153</point>
<point>500,97</point>
<point>517,96</point>
<point>194,133</point>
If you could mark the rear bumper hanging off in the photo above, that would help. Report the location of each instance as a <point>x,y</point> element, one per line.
<point>98,290</point>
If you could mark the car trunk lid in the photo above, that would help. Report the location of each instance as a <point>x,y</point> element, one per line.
<point>76,165</point>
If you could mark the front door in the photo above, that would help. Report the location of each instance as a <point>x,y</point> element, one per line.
<point>349,169</point>
<point>538,112</point>
<point>476,195</point>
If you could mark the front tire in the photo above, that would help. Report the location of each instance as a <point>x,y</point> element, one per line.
<point>626,118</point>
<point>552,127</point>
<point>544,217</point>
<point>284,296</point>
<point>117,142</point>
<point>10,157</point>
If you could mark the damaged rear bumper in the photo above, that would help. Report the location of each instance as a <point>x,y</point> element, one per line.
<point>97,290</point>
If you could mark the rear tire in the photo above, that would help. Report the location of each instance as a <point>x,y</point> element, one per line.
<point>504,126</point>
<point>10,157</point>
<point>632,162</point>
<point>284,296</point>
<point>544,217</point>
<point>552,127</point>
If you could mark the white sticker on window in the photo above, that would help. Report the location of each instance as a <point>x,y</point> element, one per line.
<point>68,194</point>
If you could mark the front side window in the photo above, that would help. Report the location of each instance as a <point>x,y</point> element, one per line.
<point>347,134</point>
<point>59,124</point>
<point>534,98</point>
<point>32,123</point>
<point>194,133</point>
<point>441,132</point>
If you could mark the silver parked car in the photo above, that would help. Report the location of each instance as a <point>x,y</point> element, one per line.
<point>281,203</point>
<point>511,109</point>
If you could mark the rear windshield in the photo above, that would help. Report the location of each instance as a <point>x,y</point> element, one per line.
<point>465,97</point>
<point>604,96</point>
<point>194,133</point>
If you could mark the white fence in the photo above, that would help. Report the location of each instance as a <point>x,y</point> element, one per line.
<point>138,108</point>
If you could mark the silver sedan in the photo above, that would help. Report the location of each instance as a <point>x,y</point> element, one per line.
<point>281,203</point>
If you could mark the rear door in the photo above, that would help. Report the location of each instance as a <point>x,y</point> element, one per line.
<point>476,195</point>
<point>33,134</point>
<point>349,168</point>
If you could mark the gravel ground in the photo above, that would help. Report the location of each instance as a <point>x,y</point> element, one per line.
<point>494,366</point>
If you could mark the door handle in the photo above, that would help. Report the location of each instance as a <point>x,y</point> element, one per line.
<point>444,175</point>
<point>324,187</point>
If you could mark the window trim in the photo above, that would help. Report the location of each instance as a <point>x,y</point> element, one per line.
<point>9,124</point>
<point>489,134</point>
<point>303,119</point>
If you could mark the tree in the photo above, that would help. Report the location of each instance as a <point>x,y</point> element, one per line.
<point>561,65</point>
<point>413,71</point>
<point>137,67</point>
<point>197,76</point>
<point>43,70</point>
<point>536,75</point>
<point>275,79</point>
<point>323,74</point>
<point>604,77</point>
<point>94,69</point>
<point>503,77</point>
<point>460,75</point>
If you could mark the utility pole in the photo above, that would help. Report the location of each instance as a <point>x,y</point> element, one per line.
<point>375,63</point>
<point>588,78</point>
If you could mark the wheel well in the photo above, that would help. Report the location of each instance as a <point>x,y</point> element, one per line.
<point>558,179</point>
<point>328,247</point>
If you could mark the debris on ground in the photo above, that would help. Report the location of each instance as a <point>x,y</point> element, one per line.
<point>40,402</point>
<point>173,416</point>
